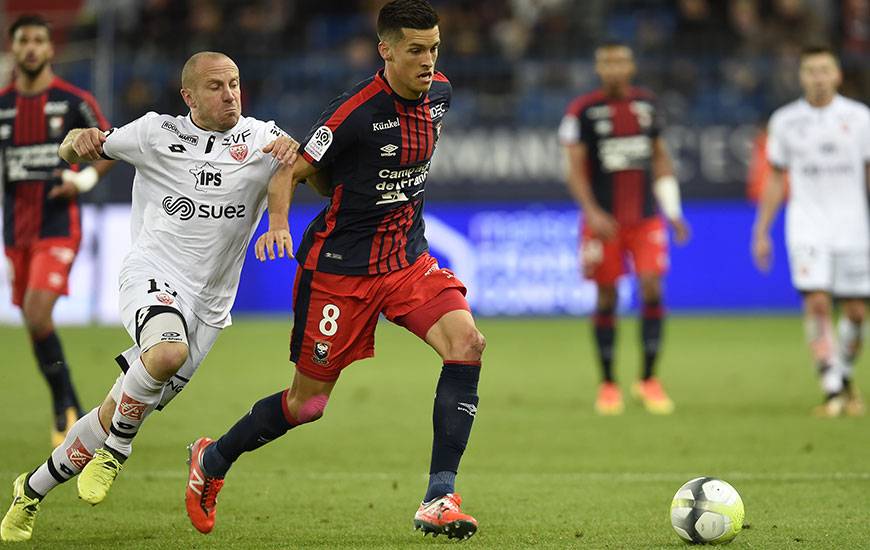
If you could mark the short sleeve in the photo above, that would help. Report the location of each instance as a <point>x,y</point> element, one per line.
<point>569,129</point>
<point>333,133</point>
<point>90,114</point>
<point>272,132</point>
<point>127,143</point>
<point>777,148</point>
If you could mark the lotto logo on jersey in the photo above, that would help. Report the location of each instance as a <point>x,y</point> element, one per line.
<point>319,143</point>
<point>78,454</point>
<point>131,408</point>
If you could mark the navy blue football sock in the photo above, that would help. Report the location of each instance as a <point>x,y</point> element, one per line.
<point>605,334</point>
<point>265,422</point>
<point>440,484</point>
<point>651,335</point>
<point>52,364</point>
<point>452,417</point>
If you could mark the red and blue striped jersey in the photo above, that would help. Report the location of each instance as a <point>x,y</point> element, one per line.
<point>376,147</point>
<point>31,130</point>
<point>619,135</point>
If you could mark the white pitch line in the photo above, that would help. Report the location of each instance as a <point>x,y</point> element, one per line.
<point>621,477</point>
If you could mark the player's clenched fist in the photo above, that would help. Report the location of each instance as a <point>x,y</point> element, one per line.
<point>277,238</point>
<point>284,149</point>
<point>88,144</point>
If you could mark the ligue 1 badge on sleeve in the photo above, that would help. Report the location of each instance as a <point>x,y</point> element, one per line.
<point>239,151</point>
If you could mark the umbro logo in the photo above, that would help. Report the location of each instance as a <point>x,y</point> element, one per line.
<point>469,408</point>
<point>389,150</point>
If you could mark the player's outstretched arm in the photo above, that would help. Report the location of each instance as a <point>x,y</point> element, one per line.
<point>82,145</point>
<point>280,195</point>
<point>601,223</point>
<point>771,199</point>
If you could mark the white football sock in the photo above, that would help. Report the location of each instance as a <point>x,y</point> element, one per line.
<point>140,393</point>
<point>68,459</point>
<point>851,335</point>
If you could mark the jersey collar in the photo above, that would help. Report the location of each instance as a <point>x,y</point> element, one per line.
<point>382,81</point>
<point>189,118</point>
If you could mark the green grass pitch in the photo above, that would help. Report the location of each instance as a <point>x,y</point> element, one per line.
<point>541,469</point>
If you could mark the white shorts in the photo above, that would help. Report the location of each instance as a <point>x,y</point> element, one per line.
<point>149,291</point>
<point>842,274</point>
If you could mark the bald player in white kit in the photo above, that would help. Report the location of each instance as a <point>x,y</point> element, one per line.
<point>199,190</point>
<point>823,142</point>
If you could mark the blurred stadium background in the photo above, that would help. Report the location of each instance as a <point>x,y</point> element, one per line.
<point>498,210</point>
<point>542,470</point>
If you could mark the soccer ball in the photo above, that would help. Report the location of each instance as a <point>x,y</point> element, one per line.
<point>707,510</point>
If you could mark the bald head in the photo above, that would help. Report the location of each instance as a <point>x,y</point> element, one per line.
<point>210,87</point>
<point>192,68</point>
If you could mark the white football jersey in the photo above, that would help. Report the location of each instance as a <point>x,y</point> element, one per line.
<point>197,198</point>
<point>825,151</point>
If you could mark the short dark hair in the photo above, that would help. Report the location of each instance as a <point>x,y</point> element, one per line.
<point>405,14</point>
<point>817,49</point>
<point>29,20</point>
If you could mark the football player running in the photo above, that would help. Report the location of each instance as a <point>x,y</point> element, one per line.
<point>199,189</point>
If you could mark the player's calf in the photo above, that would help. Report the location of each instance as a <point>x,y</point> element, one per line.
<point>269,419</point>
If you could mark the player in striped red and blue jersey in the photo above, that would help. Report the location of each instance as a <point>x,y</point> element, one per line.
<point>366,255</point>
<point>41,220</point>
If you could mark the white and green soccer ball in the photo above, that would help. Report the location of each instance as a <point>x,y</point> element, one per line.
<point>707,510</point>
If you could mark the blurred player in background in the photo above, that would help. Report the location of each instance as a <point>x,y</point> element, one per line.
<point>198,193</point>
<point>618,169</point>
<point>41,225</point>
<point>822,142</point>
<point>366,254</point>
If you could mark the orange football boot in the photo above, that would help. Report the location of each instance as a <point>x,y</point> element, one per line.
<point>653,396</point>
<point>609,401</point>
<point>201,494</point>
<point>443,516</point>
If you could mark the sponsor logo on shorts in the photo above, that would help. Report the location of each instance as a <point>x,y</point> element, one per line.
<point>56,279</point>
<point>63,254</point>
<point>164,298</point>
<point>321,352</point>
<point>78,454</point>
<point>131,408</point>
<point>239,151</point>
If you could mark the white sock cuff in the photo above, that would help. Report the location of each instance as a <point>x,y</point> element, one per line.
<point>138,374</point>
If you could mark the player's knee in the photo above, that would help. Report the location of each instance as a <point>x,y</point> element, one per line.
<point>855,311</point>
<point>38,322</point>
<point>164,359</point>
<point>818,303</point>
<point>468,345</point>
<point>606,298</point>
<point>308,409</point>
